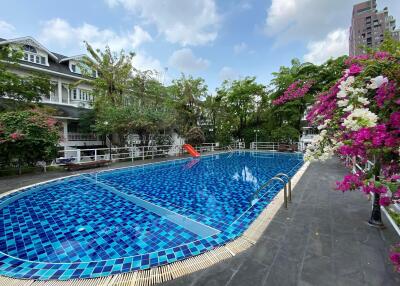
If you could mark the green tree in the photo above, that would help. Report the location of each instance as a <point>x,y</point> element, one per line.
<point>126,100</point>
<point>27,136</point>
<point>21,89</point>
<point>241,98</point>
<point>187,93</point>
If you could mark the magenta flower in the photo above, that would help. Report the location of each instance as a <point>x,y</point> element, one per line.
<point>355,69</point>
<point>385,201</point>
<point>296,90</point>
<point>350,182</point>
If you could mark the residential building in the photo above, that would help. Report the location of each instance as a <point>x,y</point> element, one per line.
<point>69,98</point>
<point>368,27</point>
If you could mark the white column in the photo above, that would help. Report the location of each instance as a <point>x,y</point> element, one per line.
<point>59,91</point>
<point>65,129</point>
<point>69,94</point>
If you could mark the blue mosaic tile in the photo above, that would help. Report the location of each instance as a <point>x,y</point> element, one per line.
<point>77,228</point>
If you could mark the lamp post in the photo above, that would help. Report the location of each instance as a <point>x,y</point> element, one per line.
<point>109,140</point>
<point>256,132</point>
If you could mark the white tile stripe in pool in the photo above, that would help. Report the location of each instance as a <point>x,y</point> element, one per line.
<point>189,224</point>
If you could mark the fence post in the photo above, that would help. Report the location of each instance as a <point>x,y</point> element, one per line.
<point>143,152</point>
<point>132,152</point>
<point>78,155</point>
<point>95,154</point>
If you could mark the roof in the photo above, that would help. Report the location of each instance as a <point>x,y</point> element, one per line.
<point>29,40</point>
<point>64,111</point>
<point>58,63</point>
<point>67,111</point>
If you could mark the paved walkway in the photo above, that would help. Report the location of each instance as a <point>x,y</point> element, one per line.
<point>321,240</point>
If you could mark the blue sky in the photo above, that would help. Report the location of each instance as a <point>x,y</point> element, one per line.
<point>213,39</point>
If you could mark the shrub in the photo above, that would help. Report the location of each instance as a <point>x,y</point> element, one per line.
<point>27,137</point>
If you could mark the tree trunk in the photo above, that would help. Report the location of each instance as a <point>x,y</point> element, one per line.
<point>376,217</point>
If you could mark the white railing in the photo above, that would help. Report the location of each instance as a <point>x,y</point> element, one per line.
<point>357,164</point>
<point>274,146</point>
<point>83,137</point>
<point>128,153</point>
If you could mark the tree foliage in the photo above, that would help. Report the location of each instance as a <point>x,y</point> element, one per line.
<point>21,89</point>
<point>27,136</point>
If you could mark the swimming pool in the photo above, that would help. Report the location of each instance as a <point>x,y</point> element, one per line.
<point>134,218</point>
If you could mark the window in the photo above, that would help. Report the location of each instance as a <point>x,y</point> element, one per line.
<point>37,59</point>
<point>73,68</point>
<point>94,74</point>
<point>43,60</point>
<point>30,49</point>
<point>26,56</point>
<point>74,94</point>
<point>32,58</point>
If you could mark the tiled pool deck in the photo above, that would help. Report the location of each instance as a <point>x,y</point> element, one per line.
<point>320,240</point>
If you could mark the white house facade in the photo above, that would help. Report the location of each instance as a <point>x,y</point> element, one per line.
<point>69,99</point>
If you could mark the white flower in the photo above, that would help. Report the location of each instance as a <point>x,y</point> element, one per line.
<point>343,103</point>
<point>377,82</point>
<point>360,117</point>
<point>350,107</point>
<point>363,100</point>
<point>341,94</point>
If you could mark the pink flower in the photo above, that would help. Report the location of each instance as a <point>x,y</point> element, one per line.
<point>294,91</point>
<point>382,55</point>
<point>16,135</point>
<point>395,119</point>
<point>51,122</point>
<point>385,201</point>
<point>371,188</point>
<point>355,69</point>
<point>350,182</point>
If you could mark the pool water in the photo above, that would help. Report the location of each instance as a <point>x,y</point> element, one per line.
<point>134,218</point>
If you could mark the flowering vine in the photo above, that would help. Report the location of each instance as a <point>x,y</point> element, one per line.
<point>296,90</point>
<point>359,117</point>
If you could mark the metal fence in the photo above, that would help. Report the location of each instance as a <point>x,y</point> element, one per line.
<point>275,146</point>
<point>356,164</point>
<point>128,153</point>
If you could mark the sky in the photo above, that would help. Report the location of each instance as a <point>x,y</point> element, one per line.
<point>213,39</point>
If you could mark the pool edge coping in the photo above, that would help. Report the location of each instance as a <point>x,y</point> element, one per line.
<point>159,274</point>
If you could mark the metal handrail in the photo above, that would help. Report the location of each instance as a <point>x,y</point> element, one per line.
<point>229,148</point>
<point>289,183</point>
<point>285,199</point>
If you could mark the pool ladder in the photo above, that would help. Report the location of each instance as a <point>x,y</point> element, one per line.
<point>287,188</point>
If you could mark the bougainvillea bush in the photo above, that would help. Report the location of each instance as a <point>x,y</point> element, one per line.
<point>27,137</point>
<point>359,118</point>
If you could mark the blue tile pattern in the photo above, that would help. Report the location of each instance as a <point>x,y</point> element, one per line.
<point>75,228</point>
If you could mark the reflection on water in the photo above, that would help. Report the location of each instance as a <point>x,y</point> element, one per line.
<point>246,176</point>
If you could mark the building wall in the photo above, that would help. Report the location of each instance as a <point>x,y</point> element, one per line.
<point>368,27</point>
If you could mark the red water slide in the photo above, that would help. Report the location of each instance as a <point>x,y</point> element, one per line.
<point>191,150</point>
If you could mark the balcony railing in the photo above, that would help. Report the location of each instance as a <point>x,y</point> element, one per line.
<point>83,137</point>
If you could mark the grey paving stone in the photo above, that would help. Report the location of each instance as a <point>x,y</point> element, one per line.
<point>250,273</point>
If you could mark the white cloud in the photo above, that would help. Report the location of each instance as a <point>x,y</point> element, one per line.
<point>307,20</point>
<point>227,73</point>
<point>6,29</point>
<point>239,48</point>
<point>59,33</point>
<point>143,61</point>
<point>185,61</point>
<point>193,22</point>
<point>335,44</point>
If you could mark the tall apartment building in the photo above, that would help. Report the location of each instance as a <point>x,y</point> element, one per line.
<point>368,27</point>
<point>68,99</point>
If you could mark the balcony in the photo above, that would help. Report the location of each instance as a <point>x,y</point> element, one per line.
<point>83,137</point>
